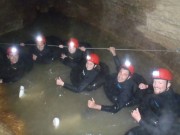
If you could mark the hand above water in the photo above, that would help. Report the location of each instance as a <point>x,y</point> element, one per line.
<point>59,81</point>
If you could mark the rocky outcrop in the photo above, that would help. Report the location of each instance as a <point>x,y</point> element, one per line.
<point>10,18</point>
<point>9,123</point>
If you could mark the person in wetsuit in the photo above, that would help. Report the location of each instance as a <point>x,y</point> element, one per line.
<point>73,55</point>
<point>118,89</point>
<point>141,91</point>
<point>41,53</point>
<point>15,65</point>
<point>156,114</point>
<point>87,75</point>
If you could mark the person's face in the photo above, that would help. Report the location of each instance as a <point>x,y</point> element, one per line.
<point>160,86</point>
<point>13,58</point>
<point>71,49</point>
<point>89,65</point>
<point>40,45</point>
<point>123,75</point>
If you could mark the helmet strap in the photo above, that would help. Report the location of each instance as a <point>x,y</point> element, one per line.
<point>168,84</point>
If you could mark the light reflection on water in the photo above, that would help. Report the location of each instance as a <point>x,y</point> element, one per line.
<point>44,100</point>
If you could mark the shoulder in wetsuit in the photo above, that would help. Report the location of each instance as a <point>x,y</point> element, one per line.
<point>83,80</point>
<point>138,79</point>
<point>14,72</point>
<point>158,115</point>
<point>118,93</point>
<point>75,59</point>
<point>44,56</point>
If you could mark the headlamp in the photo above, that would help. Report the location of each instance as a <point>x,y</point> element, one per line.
<point>127,63</point>
<point>88,57</point>
<point>155,73</point>
<point>39,38</point>
<point>71,44</point>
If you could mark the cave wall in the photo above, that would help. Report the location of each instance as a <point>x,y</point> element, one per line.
<point>141,24</point>
<point>10,18</point>
<point>158,20</point>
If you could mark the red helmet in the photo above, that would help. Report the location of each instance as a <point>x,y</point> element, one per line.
<point>41,39</point>
<point>93,58</point>
<point>162,73</point>
<point>12,50</point>
<point>127,65</point>
<point>73,42</point>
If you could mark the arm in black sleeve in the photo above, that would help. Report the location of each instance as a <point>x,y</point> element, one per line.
<point>73,60</point>
<point>79,56</point>
<point>12,75</point>
<point>117,62</point>
<point>123,98</point>
<point>158,125</point>
<point>74,88</point>
<point>45,56</point>
<point>111,108</point>
<point>138,79</point>
<point>158,113</point>
<point>148,119</point>
<point>86,81</point>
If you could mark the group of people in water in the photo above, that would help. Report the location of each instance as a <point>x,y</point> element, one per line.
<point>157,105</point>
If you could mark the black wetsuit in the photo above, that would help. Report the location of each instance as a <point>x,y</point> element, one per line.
<point>81,82</point>
<point>118,93</point>
<point>136,77</point>
<point>138,94</point>
<point>158,115</point>
<point>45,56</point>
<point>75,59</point>
<point>14,72</point>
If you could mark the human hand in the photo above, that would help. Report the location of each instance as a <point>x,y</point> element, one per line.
<point>112,50</point>
<point>63,56</point>
<point>136,115</point>
<point>143,86</point>
<point>91,103</point>
<point>82,48</point>
<point>22,44</point>
<point>1,80</point>
<point>34,57</point>
<point>61,46</point>
<point>59,82</point>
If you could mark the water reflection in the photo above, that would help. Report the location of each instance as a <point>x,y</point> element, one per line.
<point>44,100</point>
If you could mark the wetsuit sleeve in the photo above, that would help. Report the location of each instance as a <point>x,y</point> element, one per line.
<point>123,98</point>
<point>158,125</point>
<point>150,121</point>
<point>45,56</point>
<point>138,79</point>
<point>87,80</point>
<point>117,62</point>
<point>12,75</point>
<point>79,57</point>
<point>111,108</point>
<point>76,59</point>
